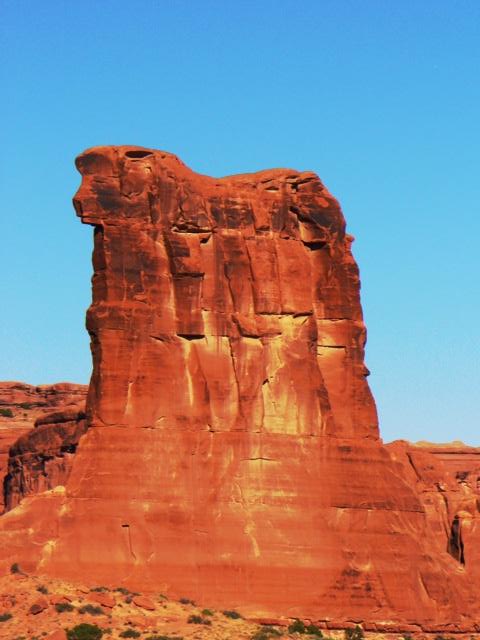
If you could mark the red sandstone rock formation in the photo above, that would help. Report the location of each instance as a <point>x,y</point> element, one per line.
<point>447,480</point>
<point>42,459</point>
<point>233,452</point>
<point>22,404</point>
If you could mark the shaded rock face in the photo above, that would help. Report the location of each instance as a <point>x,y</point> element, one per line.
<point>232,454</point>
<point>42,459</point>
<point>22,404</point>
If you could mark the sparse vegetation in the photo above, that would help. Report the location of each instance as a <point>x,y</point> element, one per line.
<point>99,589</point>
<point>26,405</point>
<point>194,619</point>
<point>5,616</point>
<point>298,626</point>
<point>186,601</point>
<point>91,609</point>
<point>85,631</point>
<point>234,615</point>
<point>6,413</point>
<point>130,633</point>
<point>42,589</point>
<point>15,568</point>
<point>123,591</point>
<point>354,634</point>
<point>61,607</point>
<point>207,612</point>
<point>266,633</point>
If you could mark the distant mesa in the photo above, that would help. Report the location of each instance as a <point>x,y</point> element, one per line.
<point>229,450</point>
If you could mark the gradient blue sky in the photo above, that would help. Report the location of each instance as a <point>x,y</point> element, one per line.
<point>380,98</point>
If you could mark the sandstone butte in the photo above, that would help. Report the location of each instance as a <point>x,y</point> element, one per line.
<point>233,453</point>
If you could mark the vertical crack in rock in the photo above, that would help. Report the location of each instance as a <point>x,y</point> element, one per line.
<point>455,542</point>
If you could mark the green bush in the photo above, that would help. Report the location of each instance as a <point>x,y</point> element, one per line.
<point>194,619</point>
<point>234,615</point>
<point>186,601</point>
<point>130,633</point>
<point>64,606</point>
<point>99,589</point>
<point>15,568</point>
<point>85,631</point>
<point>207,612</point>
<point>6,413</point>
<point>5,616</point>
<point>91,609</point>
<point>297,626</point>
<point>26,405</point>
<point>266,632</point>
<point>313,630</point>
<point>354,634</point>
<point>42,589</point>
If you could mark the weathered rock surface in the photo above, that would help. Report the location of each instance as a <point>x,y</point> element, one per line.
<point>233,454</point>
<point>446,479</point>
<point>21,405</point>
<point>42,459</point>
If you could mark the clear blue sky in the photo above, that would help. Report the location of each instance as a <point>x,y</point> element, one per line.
<point>380,97</point>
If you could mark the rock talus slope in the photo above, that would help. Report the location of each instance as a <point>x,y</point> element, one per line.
<point>233,452</point>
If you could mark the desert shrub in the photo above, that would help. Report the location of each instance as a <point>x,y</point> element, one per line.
<point>130,633</point>
<point>186,601</point>
<point>354,634</point>
<point>26,405</point>
<point>15,568</point>
<point>313,630</point>
<point>85,631</point>
<point>99,589</point>
<point>61,607</point>
<point>266,633</point>
<point>42,589</point>
<point>6,413</point>
<point>5,616</point>
<point>207,612</point>
<point>297,626</point>
<point>234,615</point>
<point>91,609</point>
<point>194,619</point>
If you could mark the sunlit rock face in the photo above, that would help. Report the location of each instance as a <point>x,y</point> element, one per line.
<point>232,454</point>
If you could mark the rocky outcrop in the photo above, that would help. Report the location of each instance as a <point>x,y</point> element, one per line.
<point>22,404</point>
<point>233,453</point>
<point>42,459</point>
<point>446,479</point>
